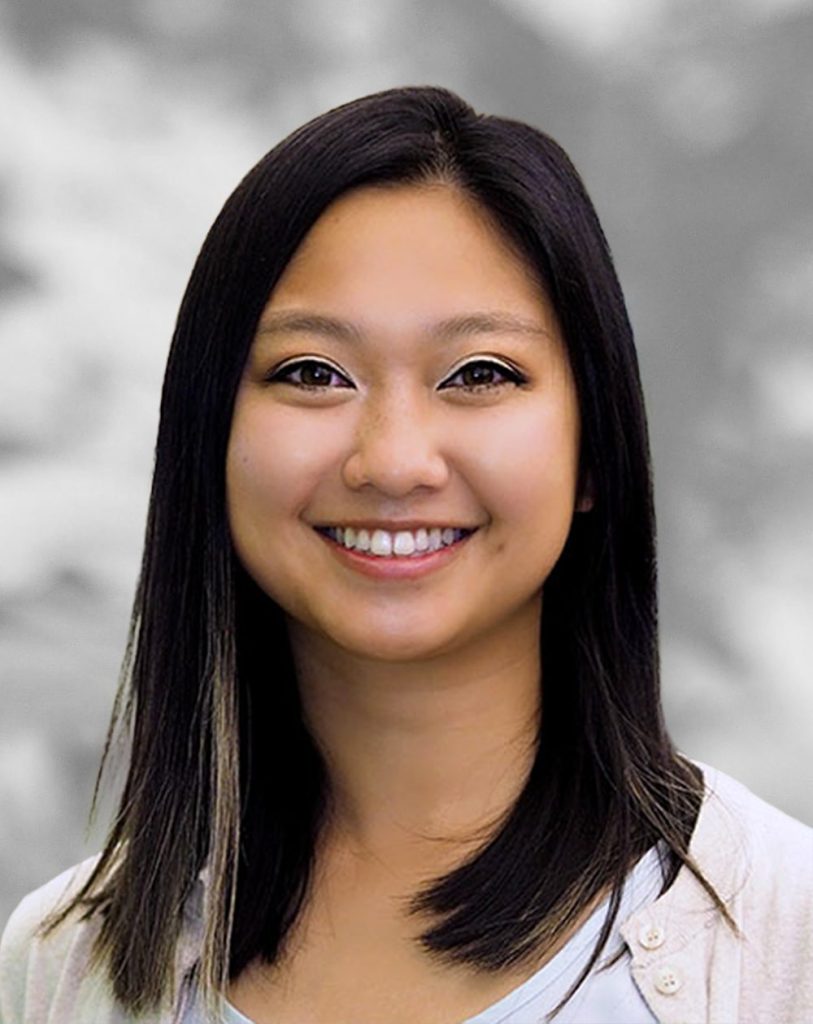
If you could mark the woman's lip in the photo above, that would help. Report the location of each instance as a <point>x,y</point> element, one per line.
<point>390,526</point>
<point>403,568</point>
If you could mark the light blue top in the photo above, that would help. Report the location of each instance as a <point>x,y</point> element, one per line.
<point>606,997</point>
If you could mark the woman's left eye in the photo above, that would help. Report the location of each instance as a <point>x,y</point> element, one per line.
<point>482,375</point>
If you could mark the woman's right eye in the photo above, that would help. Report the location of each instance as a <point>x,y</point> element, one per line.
<point>309,374</point>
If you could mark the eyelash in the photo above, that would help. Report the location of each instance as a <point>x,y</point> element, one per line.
<point>283,375</point>
<point>510,376</point>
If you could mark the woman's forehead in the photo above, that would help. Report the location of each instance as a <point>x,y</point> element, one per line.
<point>412,254</point>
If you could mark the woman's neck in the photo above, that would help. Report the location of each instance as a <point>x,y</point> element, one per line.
<point>424,750</point>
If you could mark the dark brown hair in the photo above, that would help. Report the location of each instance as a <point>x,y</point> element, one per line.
<point>222,770</point>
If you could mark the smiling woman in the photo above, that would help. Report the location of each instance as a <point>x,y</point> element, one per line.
<point>397,751</point>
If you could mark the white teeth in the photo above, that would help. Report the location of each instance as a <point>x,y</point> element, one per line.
<point>381,543</point>
<point>401,544</point>
<point>404,543</point>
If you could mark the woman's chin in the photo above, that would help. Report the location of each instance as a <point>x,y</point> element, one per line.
<point>388,642</point>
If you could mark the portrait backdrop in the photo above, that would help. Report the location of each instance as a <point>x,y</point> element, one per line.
<point>125,123</point>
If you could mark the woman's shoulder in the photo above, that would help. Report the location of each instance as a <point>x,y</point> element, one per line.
<point>21,932</point>
<point>763,859</point>
<point>688,960</point>
<point>36,971</point>
<point>743,839</point>
<point>53,977</point>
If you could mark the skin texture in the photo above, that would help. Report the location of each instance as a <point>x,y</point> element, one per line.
<point>424,694</point>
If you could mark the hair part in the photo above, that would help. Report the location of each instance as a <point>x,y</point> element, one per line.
<point>216,733</point>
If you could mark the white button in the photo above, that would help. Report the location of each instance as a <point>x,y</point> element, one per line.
<point>651,936</point>
<point>667,980</point>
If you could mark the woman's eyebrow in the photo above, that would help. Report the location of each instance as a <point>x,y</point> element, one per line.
<point>300,322</point>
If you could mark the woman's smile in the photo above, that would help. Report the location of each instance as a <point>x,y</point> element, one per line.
<point>408,405</point>
<point>395,553</point>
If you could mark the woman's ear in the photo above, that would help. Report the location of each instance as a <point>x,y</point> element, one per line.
<point>585,494</point>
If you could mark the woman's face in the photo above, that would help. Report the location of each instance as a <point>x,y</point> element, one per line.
<point>408,386</point>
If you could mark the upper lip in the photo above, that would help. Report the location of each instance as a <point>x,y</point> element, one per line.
<point>394,525</point>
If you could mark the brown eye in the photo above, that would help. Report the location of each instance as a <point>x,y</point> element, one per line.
<point>476,374</point>
<point>481,375</point>
<point>310,374</point>
<point>315,375</point>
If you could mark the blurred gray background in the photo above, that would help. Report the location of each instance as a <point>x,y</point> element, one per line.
<point>124,126</point>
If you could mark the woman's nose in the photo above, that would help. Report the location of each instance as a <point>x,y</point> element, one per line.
<point>396,448</point>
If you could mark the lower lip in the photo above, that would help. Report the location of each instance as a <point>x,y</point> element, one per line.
<point>407,567</point>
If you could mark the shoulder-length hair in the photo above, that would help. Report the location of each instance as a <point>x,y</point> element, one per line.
<point>222,770</point>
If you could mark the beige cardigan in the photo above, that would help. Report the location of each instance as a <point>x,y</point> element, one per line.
<point>687,963</point>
